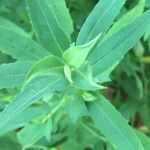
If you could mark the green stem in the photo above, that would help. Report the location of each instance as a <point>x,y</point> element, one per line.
<point>54,110</point>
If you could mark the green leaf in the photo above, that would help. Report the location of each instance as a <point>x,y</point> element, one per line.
<point>10,142</point>
<point>47,64</point>
<point>128,18</point>
<point>76,108</point>
<point>88,97</point>
<point>6,24</point>
<point>47,28</point>
<point>112,125</point>
<point>144,139</point>
<point>129,85</point>
<point>113,49</point>
<point>62,15</point>
<point>99,20</point>
<point>19,46</point>
<point>3,9</point>
<point>129,109</point>
<point>24,117</point>
<point>13,74</point>
<point>50,65</point>
<point>76,55</point>
<point>67,72</point>
<point>104,76</point>
<point>139,49</point>
<point>147,3</point>
<point>35,90</point>
<point>82,78</point>
<point>30,134</point>
<point>147,34</point>
<point>48,129</point>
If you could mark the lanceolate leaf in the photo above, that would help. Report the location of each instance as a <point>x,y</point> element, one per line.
<point>62,14</point>
<point>4,23</point>
<point>13,74</point>
<point>46,26</point>
<point>24,117</point>
<point>99,20</point>
<point>34,91</point>
<point>112,125</point>
<point>113,49</point>
<point>19,46</point>
<point>128,18</point>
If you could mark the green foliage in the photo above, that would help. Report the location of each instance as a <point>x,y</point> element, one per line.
<point>19,45</point>
<point>113,126</point>
<point>109,51</point>
<point>75,56</point>
<point>57,59</point>
<point>99,20</point>
<point>48,27</point>
<point>14,74</point>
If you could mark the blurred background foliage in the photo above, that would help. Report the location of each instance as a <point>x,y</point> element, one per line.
<point>129,89</point>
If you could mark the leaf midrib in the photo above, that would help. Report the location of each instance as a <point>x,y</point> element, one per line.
<point>50,31</point>
<point>17,46</point>
<point>58,22</point>
<point>114,125</point>
<point>114,48</point>
<point>100,19</point>
<point>16,111</point>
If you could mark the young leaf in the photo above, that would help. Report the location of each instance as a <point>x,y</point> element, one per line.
<point>82,78</point>
<point>19,46</point>
<point>112,125</point>
<point>113,49</point>
<point>47,64</point>
<point>67,72</point>
<point>35,90</point>
<point>88,97</point>
<point>13,74</point>
<point>76,55</point>
<point>46,26</point>
<point>99,20</point>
